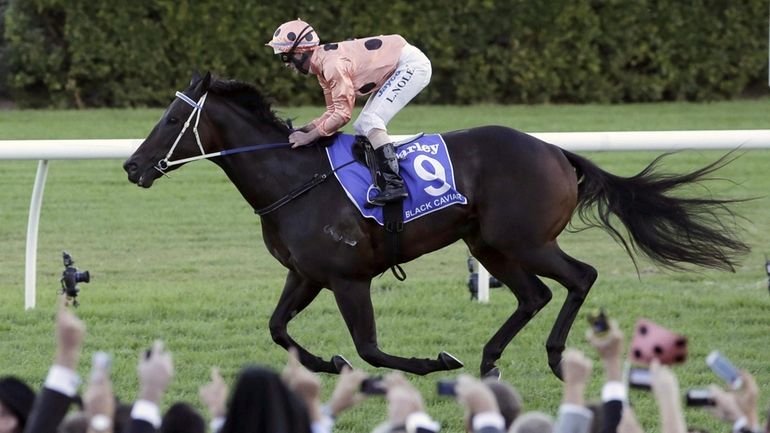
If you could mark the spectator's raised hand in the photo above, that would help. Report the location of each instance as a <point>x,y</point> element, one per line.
<point>403,399</point>
<point>609,346</point>
<point>156,369</point>
<point>747,396</point>
<point>665,387</point>
<point>69,336</point>
<point>214,394</point>
<point>628,422</point>
<point>576,369</point>
<point>303,382</point>
<point>475,396</point>
<point>98,400</point>
<point>347,393</point>
<point>725,406</point>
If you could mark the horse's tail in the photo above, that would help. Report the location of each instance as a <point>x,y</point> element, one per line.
<point>669,230</point>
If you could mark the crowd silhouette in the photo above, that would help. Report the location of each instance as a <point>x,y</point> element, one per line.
<point>263,400</point>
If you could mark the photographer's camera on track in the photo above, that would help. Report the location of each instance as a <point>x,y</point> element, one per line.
<point>70,278</point>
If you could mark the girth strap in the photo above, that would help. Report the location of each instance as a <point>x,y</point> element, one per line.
<point>305,187</point>
<point>393,216</point>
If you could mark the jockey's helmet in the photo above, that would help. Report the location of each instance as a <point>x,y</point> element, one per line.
<point>293,37</point>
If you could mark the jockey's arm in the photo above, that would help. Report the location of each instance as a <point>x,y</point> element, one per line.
<point>339,103</point>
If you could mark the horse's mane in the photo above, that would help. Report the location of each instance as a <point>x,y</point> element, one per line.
<point>248,97</point>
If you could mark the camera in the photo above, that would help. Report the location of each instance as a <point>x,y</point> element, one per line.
<point>699,397</point>
<point>599,323</point>
<point>446,387</point>
<point>70,278</point>
<point>373,386</point>
<point>473,280</point>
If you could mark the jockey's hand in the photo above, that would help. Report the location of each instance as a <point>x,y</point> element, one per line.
<point>299,138</point>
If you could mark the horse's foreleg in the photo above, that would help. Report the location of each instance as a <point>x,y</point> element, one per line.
<point>297,294</point>
<point>531,294</point>
<point>355,304</point>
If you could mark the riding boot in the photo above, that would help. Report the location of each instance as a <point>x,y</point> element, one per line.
<point>393,189</point>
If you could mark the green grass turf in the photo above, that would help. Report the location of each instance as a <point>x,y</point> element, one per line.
<point>184,262</point>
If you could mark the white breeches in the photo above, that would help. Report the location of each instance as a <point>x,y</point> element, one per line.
<point>411,76</point>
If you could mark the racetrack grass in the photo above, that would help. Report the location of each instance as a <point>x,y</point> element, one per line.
<point>184,262</point>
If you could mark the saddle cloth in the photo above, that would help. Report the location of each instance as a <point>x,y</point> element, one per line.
<point>424,164</point>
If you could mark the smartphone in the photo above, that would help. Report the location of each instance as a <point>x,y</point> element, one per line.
<point>724,369</point>
<point>446,387</point>
<point>639,378</point>
<point>101,364</point>
<point>699,397</point>
<point>373,386</point>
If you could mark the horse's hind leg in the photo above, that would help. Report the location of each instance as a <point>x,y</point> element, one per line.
<point>355,303</point>
<point>577,277</point>
<point>297,294</point>
<point>531,293</point>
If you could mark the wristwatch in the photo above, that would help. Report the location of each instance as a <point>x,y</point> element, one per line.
<point>100,423</point>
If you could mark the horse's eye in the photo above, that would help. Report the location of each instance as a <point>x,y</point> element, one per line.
<point>173,120</point>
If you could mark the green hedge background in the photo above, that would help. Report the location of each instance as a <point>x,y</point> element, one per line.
<point>103,53</point>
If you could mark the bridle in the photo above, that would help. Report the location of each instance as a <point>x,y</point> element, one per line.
<point>165,163</point>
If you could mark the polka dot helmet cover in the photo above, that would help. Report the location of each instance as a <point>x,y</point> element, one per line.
<point>287,33</point>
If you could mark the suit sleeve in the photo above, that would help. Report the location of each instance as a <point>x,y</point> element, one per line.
<point>48,411</point>
<point>54,400</point>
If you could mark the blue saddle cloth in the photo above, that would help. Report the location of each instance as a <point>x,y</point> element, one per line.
<point>424,164</point>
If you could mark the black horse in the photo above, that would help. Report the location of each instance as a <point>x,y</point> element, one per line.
<point>521,193</point>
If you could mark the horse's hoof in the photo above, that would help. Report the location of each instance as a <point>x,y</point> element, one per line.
<point>449,361</point>
<point>493,374</point>
<point>340,362</point>
<point>557,371</point>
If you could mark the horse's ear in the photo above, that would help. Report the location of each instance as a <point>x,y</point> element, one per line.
<point>206,82</point>
<point>196,76</point>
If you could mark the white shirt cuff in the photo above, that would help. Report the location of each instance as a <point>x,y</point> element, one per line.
<point>740,423</point>
<point>421,420</point>
<point>488,419</point>
<point>324,425</point>
<point>146,410</point>
<point>63,380</point>
<point>216,424</point>
<point>614,390</point>
<point>575,408</point>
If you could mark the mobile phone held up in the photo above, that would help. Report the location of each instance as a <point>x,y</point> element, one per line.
<point>723,368</point>
<point>101,364</point>
<point>373,386</point>
<point>446,387</point>
<point>699,397</point>
<point>639,378</point>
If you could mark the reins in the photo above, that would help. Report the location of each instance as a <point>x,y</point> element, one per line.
<point>316,180</point>
<point>165,163</point>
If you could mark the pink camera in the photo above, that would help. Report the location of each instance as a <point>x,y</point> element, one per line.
<point>654,341</point>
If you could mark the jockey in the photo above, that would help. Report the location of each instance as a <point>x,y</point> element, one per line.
<point>385,67</point>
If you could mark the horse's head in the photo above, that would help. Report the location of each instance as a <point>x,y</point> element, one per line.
<point>180,133</point>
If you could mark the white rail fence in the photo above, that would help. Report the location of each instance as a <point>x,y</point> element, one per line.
<point>44,151</point>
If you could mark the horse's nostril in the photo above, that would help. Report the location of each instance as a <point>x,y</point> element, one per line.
<point>130,167</point>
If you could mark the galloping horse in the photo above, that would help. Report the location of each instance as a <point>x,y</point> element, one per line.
<point>521,193</point>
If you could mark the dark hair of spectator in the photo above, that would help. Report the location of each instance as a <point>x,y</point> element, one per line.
<point>261,402</point>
